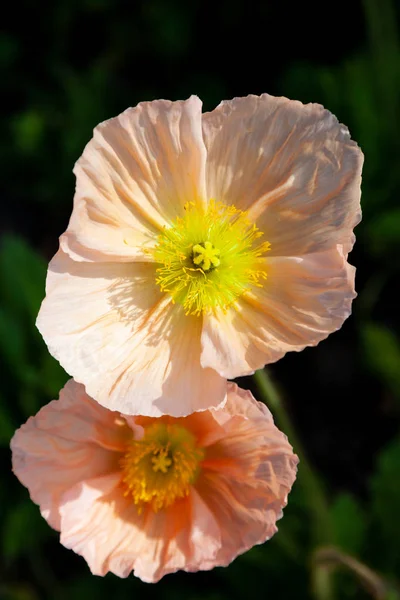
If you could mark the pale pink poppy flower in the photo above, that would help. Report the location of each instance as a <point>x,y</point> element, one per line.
<point>156,495</point>
<point>202,247</point>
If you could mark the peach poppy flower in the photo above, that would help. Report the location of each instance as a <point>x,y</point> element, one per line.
<point>202,247</point>
<point>155,495</point>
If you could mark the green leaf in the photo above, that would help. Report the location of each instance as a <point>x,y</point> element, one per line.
<point>12,342</point>
<point>23,272</point>
<point>52,376</point>
<point>384,231</point>
<point>29,400</point>
<point>28,129</point>
<point>7,426</point>
<point>385,489</point>
<point>24,530</point>
<point>382,354</point>
<point>349,523</point>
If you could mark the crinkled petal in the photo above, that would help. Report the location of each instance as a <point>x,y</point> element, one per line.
<point>133,178</point>
<point>105,527</point>
<point>110,327</point>
<point>70,439</point>
<point>241,403</point>
<point>69,457</point>
<point>246,475</point>
<point>302,301</point>
<point>292,166</point>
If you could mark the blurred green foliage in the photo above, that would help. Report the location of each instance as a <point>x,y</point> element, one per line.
<point>56,96</point>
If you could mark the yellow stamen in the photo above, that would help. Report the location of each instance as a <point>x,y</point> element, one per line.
<point>161,467</point>
<point>210,257</point>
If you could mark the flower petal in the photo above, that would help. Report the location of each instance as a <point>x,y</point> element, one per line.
<point>246,475</point>
<point>135,352</point>
<point>302,302</point>
<point>133,178</point>
<point>105,527</point>
<point>70,457</point>
<point>292,166</point>
<point>68,440</point>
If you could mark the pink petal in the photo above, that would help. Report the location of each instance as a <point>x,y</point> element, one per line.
<point>246,476</point>
<point>133,178</point>
<point>105,527</point>
<point>113,330</point>
<point>70,439</point>
<point>302,302</point>
<point>241,403</point>
<point>292,166</point>
<point>69,457</point>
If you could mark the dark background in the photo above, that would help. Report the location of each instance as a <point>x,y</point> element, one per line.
<point>67,65</point>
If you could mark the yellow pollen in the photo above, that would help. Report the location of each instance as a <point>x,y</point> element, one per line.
<point>206,256</point>
<point>161,467</point>
<point>210,257</point>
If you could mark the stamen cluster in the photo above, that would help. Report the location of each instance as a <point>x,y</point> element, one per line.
<point>210,257</point>
<point>161,467</point>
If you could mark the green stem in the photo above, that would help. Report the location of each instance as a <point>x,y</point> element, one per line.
<point>322,582</point>
<point>307,477</point>
<point>380,18</point>
<point>331,558</point>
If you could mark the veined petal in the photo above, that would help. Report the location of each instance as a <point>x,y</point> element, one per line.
<point>223,482</point>
<point>113,330</point>
<point>247,475</point>
<point>148,544</point>
<point>243,218</point>
<point>134,178</point>
<point>69,440</point>
<point>293,167</point>
<point>303,300</point>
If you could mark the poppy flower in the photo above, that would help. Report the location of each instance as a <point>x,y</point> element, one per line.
<point>202,247</point>
<point>155,495</point>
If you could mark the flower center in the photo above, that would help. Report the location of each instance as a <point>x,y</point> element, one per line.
<point>162,466</point>
<point>205,256</point>
<point>209,258</point>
